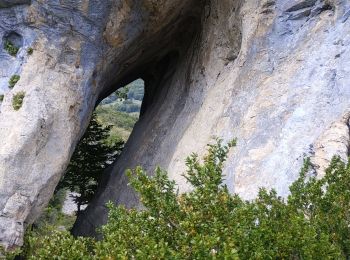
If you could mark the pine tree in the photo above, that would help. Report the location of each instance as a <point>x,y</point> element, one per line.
<point>91,157</point>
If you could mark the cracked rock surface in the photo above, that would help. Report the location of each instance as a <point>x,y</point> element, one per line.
<point>273,73</point>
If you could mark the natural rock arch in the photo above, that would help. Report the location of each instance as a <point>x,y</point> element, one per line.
<point>174,85</point>
<point>274,74</point>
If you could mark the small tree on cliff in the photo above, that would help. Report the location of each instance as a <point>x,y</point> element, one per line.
<point>91,157</point>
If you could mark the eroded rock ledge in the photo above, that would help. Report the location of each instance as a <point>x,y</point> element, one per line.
<point>274,74</point>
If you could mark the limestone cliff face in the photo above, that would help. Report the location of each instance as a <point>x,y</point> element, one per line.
<point>273,73</point>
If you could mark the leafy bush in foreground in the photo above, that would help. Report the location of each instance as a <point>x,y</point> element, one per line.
<point>210,223</point>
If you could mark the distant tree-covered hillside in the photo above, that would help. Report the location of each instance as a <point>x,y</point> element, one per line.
<point>121,110</point>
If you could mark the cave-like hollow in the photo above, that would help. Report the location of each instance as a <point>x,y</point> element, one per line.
<point>172,65</point>
<point>164,67</point>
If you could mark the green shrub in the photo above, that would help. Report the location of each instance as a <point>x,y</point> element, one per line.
<point>211,223</point>
<point>17,100</point>
<point>59,245</point>
<point>10,48</point>
<point>30,51</point>
<point>13,80</point>
<point>2,98</point>
<point>4,254</point>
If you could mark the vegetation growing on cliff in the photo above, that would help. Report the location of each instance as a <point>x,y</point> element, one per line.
<point>10,48</point>
<point>17,100</point>
<point>211,223</point>
<point>30,51</point>
<point>13,80</point>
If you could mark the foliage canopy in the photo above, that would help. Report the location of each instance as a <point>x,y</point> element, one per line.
<point>210,223</point>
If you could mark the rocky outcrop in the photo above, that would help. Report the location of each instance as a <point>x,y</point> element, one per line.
<point>274,74</point>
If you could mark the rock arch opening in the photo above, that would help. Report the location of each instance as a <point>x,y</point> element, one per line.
<point>130,101</point>
<point>102,143</point>
<point>164,99</point>
<point>178,65</point>
<point>180,49</point>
